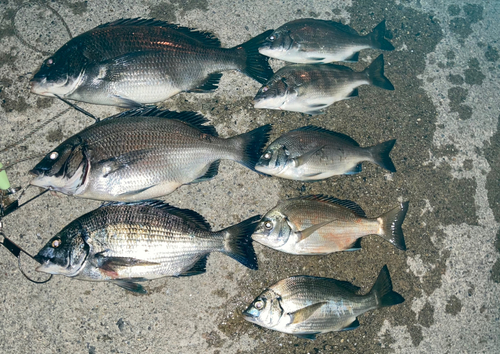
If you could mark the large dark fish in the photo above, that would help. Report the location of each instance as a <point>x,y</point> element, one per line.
<point>143,154</point>
<point>318,41</point>
<point>130,62</point>
<point>126,243</point>
<point>310,88</point>
<point>318,224</point>
<point>307,306</point>
<point>312,153</point>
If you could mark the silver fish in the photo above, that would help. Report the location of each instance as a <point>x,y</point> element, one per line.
<point>307,306</point>
<point>318,224</point>
<point>318,42</point>
<point>143,154</point>
<point>126,243</point>
<point>312,153</point>
<point>130,62</point>
<point>310,88</point>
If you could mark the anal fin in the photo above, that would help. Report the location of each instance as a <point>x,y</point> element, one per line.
<point>353,325</point>
<point>353,58</point>
<point>199,267</point>
<point>356,169</point>
<point>212,171</point>
<point>356,246</point>
<point>354,93</point>
<point>131,286</point>
<point>211,83</point>
<point>311,336</point>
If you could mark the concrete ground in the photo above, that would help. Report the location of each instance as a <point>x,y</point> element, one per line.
<point>444,113</point>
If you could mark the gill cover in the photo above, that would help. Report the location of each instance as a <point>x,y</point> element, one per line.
<point>274,160</point>
<point>59,74</point>
<point>65,253</point>
<point>274,230</point>
<point>265,310</point>
<point>64,169</point>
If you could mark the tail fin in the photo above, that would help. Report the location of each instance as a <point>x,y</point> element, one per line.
<point>256,65</point>
<point>377,38</point>
<point>391,222</point>
<point>382,290</point>
<point>249,146</point>
<point>238,242</point>
<point>380,154</point>
<point>375,73</point>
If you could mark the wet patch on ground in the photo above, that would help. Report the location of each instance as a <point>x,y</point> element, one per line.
<point>461,25</point>
<point>408,115</point>
<point>453,306</point>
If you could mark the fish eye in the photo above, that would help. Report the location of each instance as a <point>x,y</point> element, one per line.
<point>53,155</point>
<point>49,62</point>
<point>267,155</point>
<point>265,88</point>
<point>259,305</point>
<point>272,37</point>
<point>56,243</point>
<point>268,225</point>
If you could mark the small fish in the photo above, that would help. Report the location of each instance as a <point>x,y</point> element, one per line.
<point>319,42</point>
<point>143,154</point>
<point>318,224</point>
<point>310,88</point>
<point>126,243</point>
<point>307,306</point>
<point>312,153</point>
<point>131,62</point>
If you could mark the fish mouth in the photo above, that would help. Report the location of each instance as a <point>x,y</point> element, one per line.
<point>249,316</point>
<point>36,172</point>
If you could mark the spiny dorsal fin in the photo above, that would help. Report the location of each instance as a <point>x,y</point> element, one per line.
<point>345,203</point>
<point>194,119</point>
<point>201,36</point>
<point>185,214</point>
<point>313,128</point>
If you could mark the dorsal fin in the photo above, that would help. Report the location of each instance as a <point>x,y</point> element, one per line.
<point>185,214</point>
<point>342,27</point>
<point>313,128</point>
<point>345,203</point>
<point>201,36</point>
<point>194,119</point>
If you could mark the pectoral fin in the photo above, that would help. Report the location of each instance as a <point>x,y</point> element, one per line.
<point>304,313</point>
<point>110,265</point>
<point>310,230</point>
<point>302,159</point>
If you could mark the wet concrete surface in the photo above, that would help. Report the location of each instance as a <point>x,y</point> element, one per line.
<point>444,114</point>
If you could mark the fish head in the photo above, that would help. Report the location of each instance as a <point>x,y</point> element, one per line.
<point>275,94</point>
<point>65,169</point>
<point>61,73</point>
<point>265,310</point>
<point>279,42</point>
<point>65,253</point>
<point>274,160</point>
<point>273,230</point>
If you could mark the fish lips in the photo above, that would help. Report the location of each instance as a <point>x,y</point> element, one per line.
<point>251,314</point>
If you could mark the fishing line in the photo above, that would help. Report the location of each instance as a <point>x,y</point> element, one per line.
<point>19,36</point>
<point>16,251</point>
<point>81,110</point>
